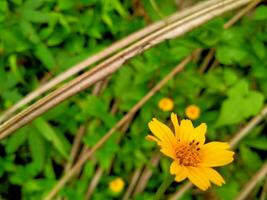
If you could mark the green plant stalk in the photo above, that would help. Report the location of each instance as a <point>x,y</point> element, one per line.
<point>163,187</point>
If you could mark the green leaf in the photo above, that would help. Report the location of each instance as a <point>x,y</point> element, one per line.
<point>239,89</point>
<point>240,104</point>
<point>105,154</point>
<point>23,174</point>
<point>37,148</point>
<point>250,158</point>
<point>50,135</point>
<point>228,191</point>
<point>65,4</point>
<point>229,77</point>
<point>29,32</point>
<point>58,36</point>
<point>259,48</point>
<point>230,54</point>
<point>257,143</point>
<point>260,13</point>
<point>16,140</point>
<point>35,16</point>
<point>45,56</point>
<point>14,67</point>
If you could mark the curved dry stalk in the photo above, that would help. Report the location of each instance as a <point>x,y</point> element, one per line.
<point>112,64</point>
<point>135,108</point>
<point>101,55</point>
<point>253,182</point>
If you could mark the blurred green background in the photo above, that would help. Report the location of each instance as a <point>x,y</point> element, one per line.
<point>39,39</point>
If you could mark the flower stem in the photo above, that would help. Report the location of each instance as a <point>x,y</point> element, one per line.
<point>163,187</point>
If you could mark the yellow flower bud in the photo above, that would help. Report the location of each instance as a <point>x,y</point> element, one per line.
<point>116,185</point>
<point>192,112</point>
<point>166,104</point>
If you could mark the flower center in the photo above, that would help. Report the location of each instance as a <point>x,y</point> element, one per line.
<point>188,153</point>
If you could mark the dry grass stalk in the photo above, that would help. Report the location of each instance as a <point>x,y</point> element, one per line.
<point>253,182</point>
<point>112,64</point>
<point>99,56</point>
<point>132,184</point>
<point>145,176</point>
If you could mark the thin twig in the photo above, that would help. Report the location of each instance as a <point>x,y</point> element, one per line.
<point>179,194</point>
<point>240,14</point>
<point>99,56</point>
<point>206,61</point>
<point>227,25</point>
<point>253,182</point>
<point>112,64</point>
<point>77,140</point>
<point>264,190</point>
<point>246,129</point>
<point>75,147</point>
<point>145,176</point>
<point>130,188</point>
<point>94,183</point>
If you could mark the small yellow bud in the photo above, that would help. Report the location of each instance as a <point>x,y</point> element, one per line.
<point>192,112</point>
<point>116,185</point>
<point>166,104</point>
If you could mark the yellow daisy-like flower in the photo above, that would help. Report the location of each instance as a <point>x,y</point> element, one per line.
<point>192,158</point>
<point>192,112</point>
<point>116,185</point>
<point>166,104</point>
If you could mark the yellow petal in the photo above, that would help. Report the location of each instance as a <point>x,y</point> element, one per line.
<point>179,171</point>
<point>217,160</point>
<point>212,146</point>
<point>214,176</point>
<point>164,149</point>
<point>167,151</point>
<point>162,132</point>
<point>199,134</point>
<point>175,125</point>
<point>152,138</point>
<point>186,130</point>
<point>215,154</point>
<point>182,174</point>
<point>198,178</point>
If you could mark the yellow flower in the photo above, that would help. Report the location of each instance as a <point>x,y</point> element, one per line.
<point>192,112</point>
<point>192,158</point>
<point>166,104</point>
<point>116,185</point>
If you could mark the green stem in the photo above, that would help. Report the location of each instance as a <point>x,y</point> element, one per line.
<point>163,187</point>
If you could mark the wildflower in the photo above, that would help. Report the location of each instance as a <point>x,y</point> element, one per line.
<point>166,104</point>
<point>192,158</point>
<point>192,112</point>
<point>116,185</point>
